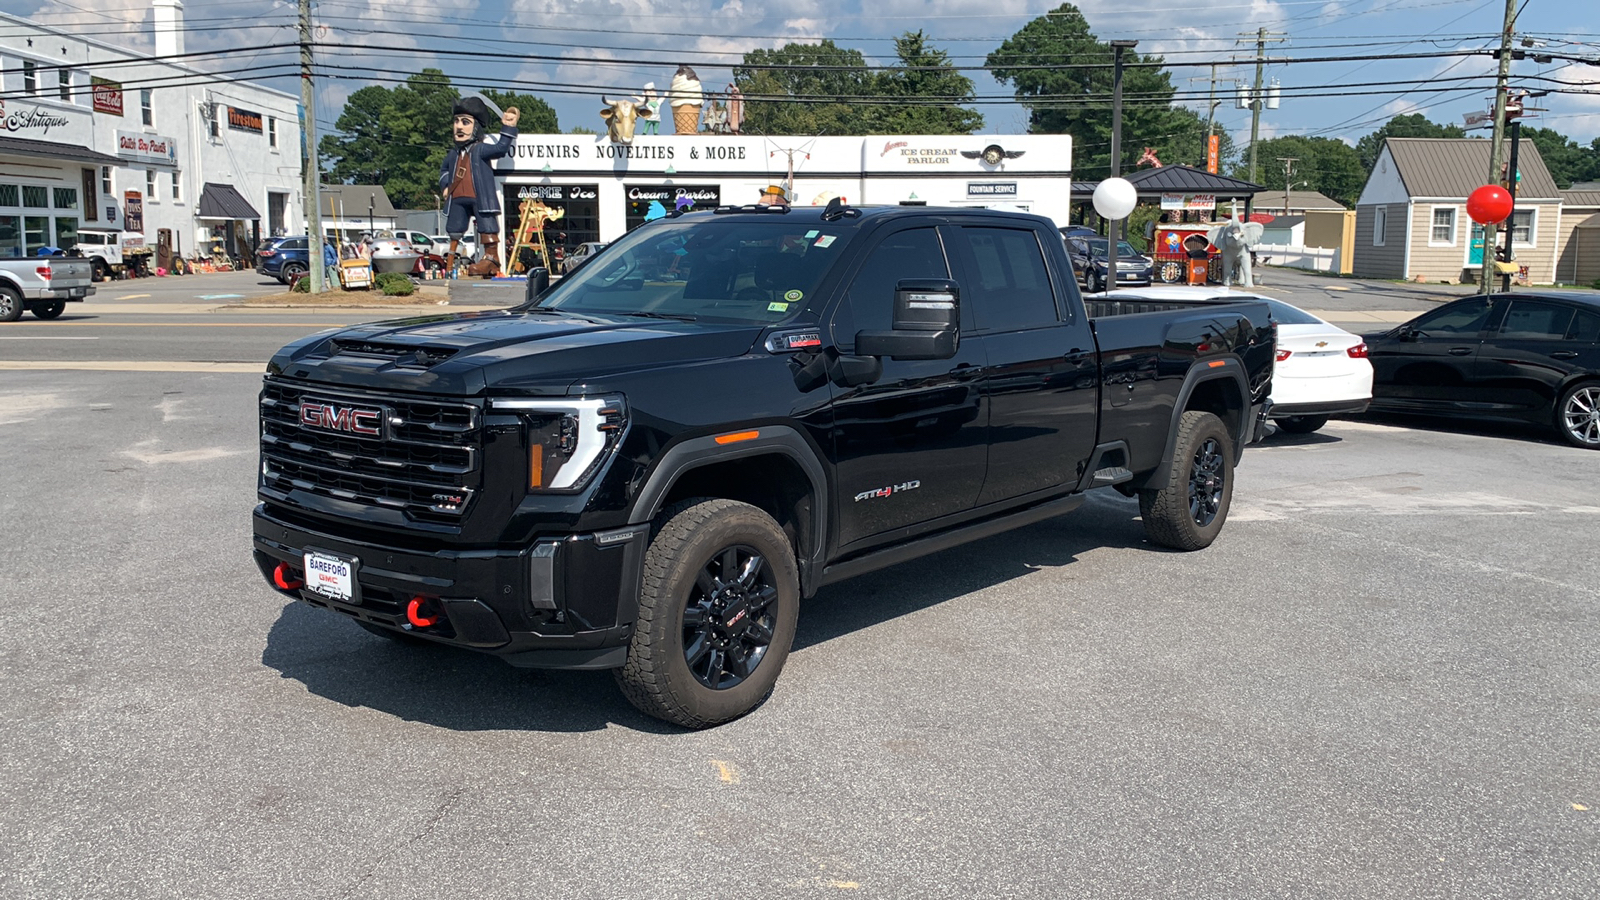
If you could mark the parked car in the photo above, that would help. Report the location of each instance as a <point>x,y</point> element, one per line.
<point>1089,261</point>
<point>286,257</point>
<point>1528,357</point>
<point>468,249</point>
<point>43,285</point>
<point>580,254</point>
<point>1321,370</point>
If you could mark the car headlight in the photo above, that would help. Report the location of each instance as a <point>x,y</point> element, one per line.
<point>568,437</point>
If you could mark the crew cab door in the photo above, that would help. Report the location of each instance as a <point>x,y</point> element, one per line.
<point>1040,380</point>
<point>911,445</point>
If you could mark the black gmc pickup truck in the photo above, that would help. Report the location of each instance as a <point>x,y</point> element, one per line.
<point>650,465</point>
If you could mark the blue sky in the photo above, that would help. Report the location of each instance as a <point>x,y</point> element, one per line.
<point>590,44</point>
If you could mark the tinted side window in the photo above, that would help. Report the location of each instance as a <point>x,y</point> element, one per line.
<point>1585,327</point>
<point>869,306</point>
<point>1536,320</point>
<point>1466,317</point>
<point>293,244</point>
<point>1010,287</point>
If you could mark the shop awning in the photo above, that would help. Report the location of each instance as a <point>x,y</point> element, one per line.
<point>221,201</point>
<point>1153,182</point>
<point>10,146</point>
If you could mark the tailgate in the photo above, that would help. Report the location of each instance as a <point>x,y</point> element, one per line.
<point>69,273</point>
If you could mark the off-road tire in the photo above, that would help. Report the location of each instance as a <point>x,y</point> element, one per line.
<point>1575,415</point>
<point>11,305</point>
<point>690,539</point>
<point>1302,424</point>
<point>1189,508</point>
<point>49,309</point>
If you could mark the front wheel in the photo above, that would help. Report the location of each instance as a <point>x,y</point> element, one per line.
<point>1187,511</point>
<point>1092,282</point>
<point>717,613</point>
<point>102,271</point>
<point>1578,416</point>
<point>1302,424</point>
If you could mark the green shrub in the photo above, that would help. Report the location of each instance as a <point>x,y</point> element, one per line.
<point>302,285</point>
<point>393,284</point>
<point>1596,284</point>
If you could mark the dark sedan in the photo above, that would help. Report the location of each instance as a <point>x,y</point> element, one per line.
<point>1528,357</point>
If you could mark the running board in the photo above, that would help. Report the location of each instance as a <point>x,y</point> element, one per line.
<point>944,540</point>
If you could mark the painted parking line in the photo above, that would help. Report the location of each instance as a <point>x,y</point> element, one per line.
<point>219,296</point>
<point>132,366</point>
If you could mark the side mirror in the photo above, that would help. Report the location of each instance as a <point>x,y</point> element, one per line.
<point>927,322</point>
<point>538,282</point>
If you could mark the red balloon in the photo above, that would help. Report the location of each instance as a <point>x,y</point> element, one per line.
<point>1490,203</point>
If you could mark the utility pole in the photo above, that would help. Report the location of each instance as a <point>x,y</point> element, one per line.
<point>1114,233</point>
<point>1288,176</point>
<point>1498,135</point>
<point>309,169</point>
<point>1257,98</point>
<point>1211,112</point>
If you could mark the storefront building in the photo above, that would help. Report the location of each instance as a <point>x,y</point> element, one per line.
<point>92,137</point>
<point>605,189</point>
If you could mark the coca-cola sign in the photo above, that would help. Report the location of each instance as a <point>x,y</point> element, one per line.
<point>35,119</point>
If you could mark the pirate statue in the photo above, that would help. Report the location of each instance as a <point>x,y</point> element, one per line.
<point>466,180</point>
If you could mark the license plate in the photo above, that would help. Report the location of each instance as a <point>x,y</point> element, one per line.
<point>77,292</point>
<point>331,576</point>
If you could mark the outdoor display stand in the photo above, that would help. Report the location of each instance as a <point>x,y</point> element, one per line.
<point>1183,255</point>
<point>355,274</point>
<point>530,234</point>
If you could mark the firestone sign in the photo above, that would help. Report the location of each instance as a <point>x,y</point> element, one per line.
<point>150,148</point>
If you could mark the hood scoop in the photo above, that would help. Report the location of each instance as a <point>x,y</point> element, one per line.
<point>403,355</point>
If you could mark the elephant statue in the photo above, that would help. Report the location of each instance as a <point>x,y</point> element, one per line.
<point>1235,238</point>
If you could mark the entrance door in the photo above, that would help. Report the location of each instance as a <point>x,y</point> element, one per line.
<point>911,446</point>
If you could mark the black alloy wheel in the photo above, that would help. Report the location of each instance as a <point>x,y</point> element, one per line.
<point>1578,416</point>
<point>50,309</point>
<point>728,621</point>
<point>1207,480</point>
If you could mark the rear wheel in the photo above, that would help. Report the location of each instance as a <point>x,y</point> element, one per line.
<point>717,613</point>
<point>1187,511</point>
<point>1578,416</point>
<point>290,272</point>
<point>102,270</point>
<point>10,305</point>
<point>49,309</point>
<point>1302,424</point>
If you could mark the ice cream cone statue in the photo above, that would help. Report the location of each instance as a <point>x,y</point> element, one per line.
<point>686,98</point>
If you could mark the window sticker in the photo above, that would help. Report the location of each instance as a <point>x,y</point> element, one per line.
<point>793,296</point>
<point>779,307</point>
<point>811,234</point>
<point>825,241</point>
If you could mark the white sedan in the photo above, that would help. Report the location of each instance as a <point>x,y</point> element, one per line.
<point>1321,370</point>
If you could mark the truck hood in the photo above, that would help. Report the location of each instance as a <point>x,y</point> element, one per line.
<point>536,351</point>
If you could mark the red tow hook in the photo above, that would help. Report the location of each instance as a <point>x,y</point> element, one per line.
<point>415,614</point>
<point>283,577</point>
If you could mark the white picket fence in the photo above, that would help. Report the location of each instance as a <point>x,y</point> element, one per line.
<point>1317,259</point>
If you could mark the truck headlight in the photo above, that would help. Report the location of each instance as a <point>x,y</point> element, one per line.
<point>568,437</point>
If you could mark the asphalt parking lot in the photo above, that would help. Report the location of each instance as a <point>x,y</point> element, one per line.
<point>1380,682</point>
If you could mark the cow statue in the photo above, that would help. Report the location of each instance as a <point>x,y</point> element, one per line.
<point>1235,238</point>
<point>620,116</point>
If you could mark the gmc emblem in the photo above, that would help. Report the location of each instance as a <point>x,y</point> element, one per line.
<point>351,419</point>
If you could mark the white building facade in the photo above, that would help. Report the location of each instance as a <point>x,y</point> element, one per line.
<point>605,188</point>
<point>94,137</point>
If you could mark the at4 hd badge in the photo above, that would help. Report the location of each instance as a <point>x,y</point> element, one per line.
<point>884,492</point>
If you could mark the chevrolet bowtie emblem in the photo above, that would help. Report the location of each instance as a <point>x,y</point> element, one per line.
<point>1322,343</point>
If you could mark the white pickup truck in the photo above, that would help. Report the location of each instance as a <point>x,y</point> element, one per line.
<point>43,284</point>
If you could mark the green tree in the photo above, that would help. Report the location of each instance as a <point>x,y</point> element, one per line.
<point>812,93</point>
<point>536,115</point>
<point>1413,125</point>
<point>1077,101</point>
<point>1567,160</point>
<point>1321,164</point>
<point>928,89</point>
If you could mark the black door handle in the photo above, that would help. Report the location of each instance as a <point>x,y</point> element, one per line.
<point>1564,354</point>
<point>1460,351</point>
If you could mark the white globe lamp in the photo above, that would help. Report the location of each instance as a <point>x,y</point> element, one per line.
<point>1114,198</point>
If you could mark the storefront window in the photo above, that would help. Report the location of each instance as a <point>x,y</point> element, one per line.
<point>35,196</point>
<point>66,232</point>
<point>10,236</point>
<point>8,195</point>
<point>579,223</point>
<point>35,233</point>
<point>643,198</point>
<point>66,198</point>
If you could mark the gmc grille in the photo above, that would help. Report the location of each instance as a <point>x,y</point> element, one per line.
<point>427,463</point>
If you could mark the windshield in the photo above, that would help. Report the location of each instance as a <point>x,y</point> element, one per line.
<point>1098,249</point>
<point>700,267</point>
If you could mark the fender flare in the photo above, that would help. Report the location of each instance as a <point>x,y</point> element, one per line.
<point>1202,372</point>
<point>695,453</point>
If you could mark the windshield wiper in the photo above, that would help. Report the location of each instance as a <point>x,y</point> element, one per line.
<point>679,317</point>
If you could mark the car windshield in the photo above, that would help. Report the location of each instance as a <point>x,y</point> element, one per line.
<point>1098,249</point>
<point>1290,315</point>
<point>699,267</point>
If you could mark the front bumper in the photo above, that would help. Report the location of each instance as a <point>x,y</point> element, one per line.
<point>564,602</point>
